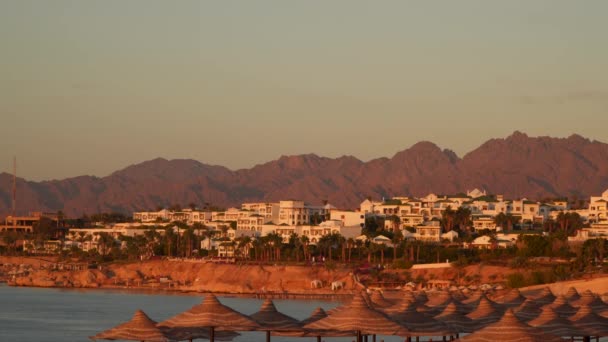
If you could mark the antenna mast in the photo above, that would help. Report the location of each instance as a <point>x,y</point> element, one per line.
<point>14,185</point>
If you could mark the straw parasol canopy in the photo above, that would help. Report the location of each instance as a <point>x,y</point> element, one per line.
<point>422,297</point>
<point>572,294</point>
<point>409,296</point>
<point>379,301</point>
<point>513,298</point>
<point>590,322</point>
<point>436,310</point>
<point>545,296</point>
<point>314,316</point>
<point>473,298</point>
<point>183,334</point>
<point>458,295</point>
<point>509,328</point>
<point>562,307</point>
<point>552,323</point>
<point>356,318</point>
<point>440,298</point>
<point>486,312</point>
<point>139,328</point>
<point>270,319</point>
<point>418,323</point>
<point>528,310</point>
<point>588,298</point>
<point>460,307</point>
<point>456,320</point>
<point>213,315</point>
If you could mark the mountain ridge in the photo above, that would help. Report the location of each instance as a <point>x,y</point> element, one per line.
<point>516,166</point>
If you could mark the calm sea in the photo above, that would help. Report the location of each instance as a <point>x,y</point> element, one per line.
<point>40,314</point>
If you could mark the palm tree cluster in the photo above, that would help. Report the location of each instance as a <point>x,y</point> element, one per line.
<point>459,219</point>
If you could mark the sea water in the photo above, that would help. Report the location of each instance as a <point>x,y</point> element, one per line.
<point>65,315</point>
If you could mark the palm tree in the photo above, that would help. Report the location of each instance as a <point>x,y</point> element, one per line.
<point>294,244</point>
<point>10,239</point>
<point>275,241</point>
<point>208,235</point>
<point>81,238</point>
<point>169,239</point>
<point>511,220</point>
<point>350,243</point>
<point>324,244</point>
<point>151,236</point>
<point>396,241</point>
<point>188,239</point>
<point>463,218</point>
<point>257,246</point>
<point>501,220</point>
<point>448,218</point>
<point>244,243</point>
<point>304,242</point>
<point>359,246</point>
<point>396,222</point>
<point>382,248</point>
<point>341,244</point>
<point>105,242</point>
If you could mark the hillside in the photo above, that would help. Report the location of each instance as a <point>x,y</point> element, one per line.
<point>517,166</point>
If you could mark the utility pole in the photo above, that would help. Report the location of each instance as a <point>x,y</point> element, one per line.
<point>14,185</point>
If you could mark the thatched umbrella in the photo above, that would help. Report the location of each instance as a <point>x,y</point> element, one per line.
<point>590,322</point>
<point>458,295</point>
<point>528,310</point>
<point>436,310</point>
<point>139,328</point>
<point>379,301</point>
<point>487,312</point>
<point>356,318</point>
<point>589,298</point>
<point>509,328</point>
<point>545,296</point>
<point>456,320</point>
<point>422,297</point>
<point>473,298</point>
<point>438,298</point>
<point>315,316</point>
<point>189,334</point>
<point>270,319</point>
<point>409,296</point>
<point>460,307</point>
<point>512,299</point>
<point>213,315</point>
<point>420,324</point>
<point>572,294</point>
<point>552,323</point>
<point>562,307</point>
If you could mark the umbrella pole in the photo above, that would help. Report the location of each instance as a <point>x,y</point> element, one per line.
<point>211,334</point>
<point>359,336</point>
<point>318,338</point>
<point>374,338</point>
<point>268,336</point>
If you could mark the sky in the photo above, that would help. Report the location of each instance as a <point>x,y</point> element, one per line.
<point>90,87</point>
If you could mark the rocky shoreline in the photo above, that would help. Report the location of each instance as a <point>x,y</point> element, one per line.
<point>263,281</point>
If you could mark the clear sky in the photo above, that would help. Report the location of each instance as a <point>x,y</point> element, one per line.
<point>88,87</point>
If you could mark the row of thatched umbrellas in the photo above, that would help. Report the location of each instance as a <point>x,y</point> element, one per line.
<point>512,317</point>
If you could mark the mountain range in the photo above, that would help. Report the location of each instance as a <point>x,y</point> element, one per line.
<point>517,166</point>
